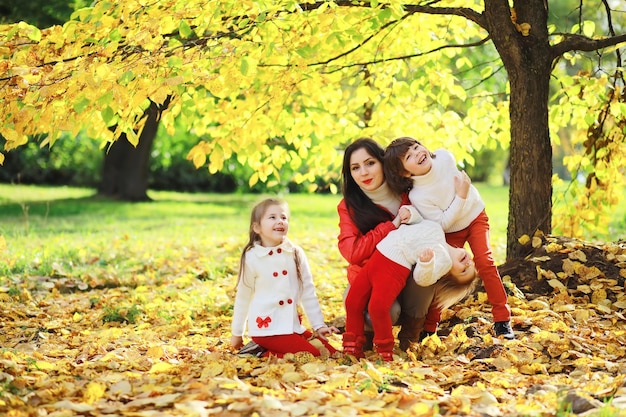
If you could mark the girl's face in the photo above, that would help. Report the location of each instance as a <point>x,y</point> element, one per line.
<point>463,269</point>
<point>273,225</point>
<point>366,170</point>
<point>417,161</point>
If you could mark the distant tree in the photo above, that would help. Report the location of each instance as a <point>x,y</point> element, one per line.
<point>251,77</point>
<point>38,12</point>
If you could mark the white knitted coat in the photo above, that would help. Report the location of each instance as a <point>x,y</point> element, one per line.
<point>434,196</point>
<point>405,244</point>
<point>269,293</point>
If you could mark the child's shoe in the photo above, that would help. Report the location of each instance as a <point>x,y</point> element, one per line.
<point>503,328</point>
<point>385,349</point>
<point>353,345</point>
<point>252,348</point>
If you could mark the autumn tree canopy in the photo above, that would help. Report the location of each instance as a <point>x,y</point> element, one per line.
<point>288,82</point>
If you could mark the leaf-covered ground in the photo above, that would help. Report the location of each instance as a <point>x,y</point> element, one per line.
<point>156,344</point>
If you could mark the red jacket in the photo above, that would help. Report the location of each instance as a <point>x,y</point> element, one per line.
<point>355,246</point>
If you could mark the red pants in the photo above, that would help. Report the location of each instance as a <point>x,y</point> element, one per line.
<point>477,235</point>
<point>380,281</point>
<point>280,344</point>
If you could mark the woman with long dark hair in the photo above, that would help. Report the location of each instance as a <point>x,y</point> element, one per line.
<point>367,213</point>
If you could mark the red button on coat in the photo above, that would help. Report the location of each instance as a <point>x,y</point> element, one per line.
<point>279,250</point>
<point>289,301</point>
<point>281,302</point>
<point>271,252</point>
<point>284,272</point>
<point>275,274</point>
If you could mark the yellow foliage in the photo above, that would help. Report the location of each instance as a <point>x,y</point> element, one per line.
<point>161,367</point>
<point>93,392</point>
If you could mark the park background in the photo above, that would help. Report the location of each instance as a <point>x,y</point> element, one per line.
<point>115,307</point>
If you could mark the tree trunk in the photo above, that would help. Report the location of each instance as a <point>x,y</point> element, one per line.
<point>126,168</point>
<point>530,192</point>
<point>527,60</point>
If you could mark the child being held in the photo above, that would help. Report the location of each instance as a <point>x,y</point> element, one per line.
<point>443,194</point>
<point>378,284</point>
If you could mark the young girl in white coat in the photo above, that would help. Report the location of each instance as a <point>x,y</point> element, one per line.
<point>274,279</point>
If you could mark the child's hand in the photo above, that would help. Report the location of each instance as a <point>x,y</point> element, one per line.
<point>462,184</point>
<point>236,341</point>
<point>324,331</point>
<point>426,255</point>
<point>403,217</point>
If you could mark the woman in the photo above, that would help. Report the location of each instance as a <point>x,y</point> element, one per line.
<point>367,213</point>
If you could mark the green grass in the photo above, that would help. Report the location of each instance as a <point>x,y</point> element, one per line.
<point>49,228</point>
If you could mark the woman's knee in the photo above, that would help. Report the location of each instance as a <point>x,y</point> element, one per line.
<point>395,311</point>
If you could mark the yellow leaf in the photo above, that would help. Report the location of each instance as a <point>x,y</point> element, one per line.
<point>292,377</point>
<point>582,315</point>
<point>314,368</point>
<point>524,28</point>
<point>160,367</point>
<point>523,240</point>
<point>578,255</point>
<point>555,283</point>
<point>598,296</point>
<point>564,307</point>
<point>533,368</point>
<point>94,392</point>
<point>77,317</point>
<point>44,366</point>
<point>213,369</point>
<point>155,352</point>
<point>373,373</point>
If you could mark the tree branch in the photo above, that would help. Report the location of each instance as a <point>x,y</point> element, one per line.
<point>427,8</point>
<point>398,58</point>
<point>575,42</point>
<point>465,12</point>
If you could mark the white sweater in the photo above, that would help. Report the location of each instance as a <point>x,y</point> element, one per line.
<point>434,196</point>
<point>405,244</point>
<point>269,293</point>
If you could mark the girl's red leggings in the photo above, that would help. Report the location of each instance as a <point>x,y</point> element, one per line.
<point>280,344</point>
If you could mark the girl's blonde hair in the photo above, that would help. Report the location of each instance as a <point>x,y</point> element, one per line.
<point>253,237</point>
<point>449,291</point>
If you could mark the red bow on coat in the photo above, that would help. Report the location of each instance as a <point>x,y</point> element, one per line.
<point>263,322</point>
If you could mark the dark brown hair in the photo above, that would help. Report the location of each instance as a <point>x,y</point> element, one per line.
<point>397,177</point>
<point>364,212</point>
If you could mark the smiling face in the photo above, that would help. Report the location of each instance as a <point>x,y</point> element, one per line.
<point>417,160</point>
<point>463,269</point>
<point>366,170</point>
<point>273,225</point>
